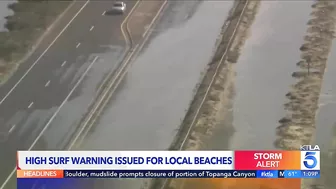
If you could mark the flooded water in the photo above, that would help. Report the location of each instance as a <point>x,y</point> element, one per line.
<point>152,100</point>
<point>326,122</point>
<point>263,77</point>
<point>263,72</point>
<point>325,119</point>
<point>147,110</point>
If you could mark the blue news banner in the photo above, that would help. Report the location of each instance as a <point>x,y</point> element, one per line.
<point>190,174</point>
<point>71,180</point>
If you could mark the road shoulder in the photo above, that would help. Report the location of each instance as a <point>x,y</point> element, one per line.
<point>142,19</point>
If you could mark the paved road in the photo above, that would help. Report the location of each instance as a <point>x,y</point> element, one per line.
<point>28,109</point>
<point>148,106</point>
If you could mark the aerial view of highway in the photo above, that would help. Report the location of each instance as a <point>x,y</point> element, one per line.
<point>168,75</point>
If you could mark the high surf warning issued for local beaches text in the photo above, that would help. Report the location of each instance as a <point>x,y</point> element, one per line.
<point>168,164</point>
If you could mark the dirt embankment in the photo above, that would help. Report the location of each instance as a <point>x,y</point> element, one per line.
<point>298,126</point>
<point>215,87</point>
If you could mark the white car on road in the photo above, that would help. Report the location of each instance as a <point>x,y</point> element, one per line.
<point>119,7</point>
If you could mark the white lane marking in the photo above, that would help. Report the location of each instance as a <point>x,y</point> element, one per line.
<point>91,28</point>
<point>30,105</point>
<point>128,41</point>
<point>63,63</point>
<point>125,37</point>
<point>144,34</point>
<point>115,78</point>
<point>77,45</point>
<point>47,84</point>
<point>104,13</point>
<point>31,67</point>
<point>118,78</point>
<point>209,87</point>
<point>213,77</point>
<point>52,118</point>
<point>11,129</point>
<point>154,19</point>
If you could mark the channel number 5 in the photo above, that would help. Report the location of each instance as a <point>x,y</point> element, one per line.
<point>310,160</point>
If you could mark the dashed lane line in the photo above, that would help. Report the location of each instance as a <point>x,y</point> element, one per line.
<point>43,53</point>
<point>52,118</point>
<point>30,105</point>
<point>63,63</point>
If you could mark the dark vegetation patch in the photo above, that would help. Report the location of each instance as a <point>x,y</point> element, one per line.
<point>29,20</point>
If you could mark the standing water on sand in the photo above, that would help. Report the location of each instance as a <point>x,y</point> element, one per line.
<point>326,122</point>
<point>263,72</point>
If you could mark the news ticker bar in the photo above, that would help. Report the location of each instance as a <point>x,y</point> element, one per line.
<point>167,174</point>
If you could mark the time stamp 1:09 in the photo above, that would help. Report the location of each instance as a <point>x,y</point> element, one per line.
<point>299,174</point>
<point>310,174</point>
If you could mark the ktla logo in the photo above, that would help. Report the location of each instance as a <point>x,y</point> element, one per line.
<point>310,160</point>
